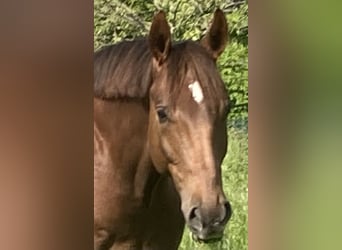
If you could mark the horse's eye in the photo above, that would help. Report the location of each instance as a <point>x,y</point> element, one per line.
<point>162,116</point>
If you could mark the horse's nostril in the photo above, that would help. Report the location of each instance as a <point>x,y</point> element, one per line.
<point>228,211</point>
<point>194,212</point>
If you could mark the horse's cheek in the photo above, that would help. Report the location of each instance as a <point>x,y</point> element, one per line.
<point>157,157</point>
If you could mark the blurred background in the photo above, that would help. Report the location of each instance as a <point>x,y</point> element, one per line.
<point>294,119</point>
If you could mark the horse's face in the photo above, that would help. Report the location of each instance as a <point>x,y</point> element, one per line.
<point>187,124</point>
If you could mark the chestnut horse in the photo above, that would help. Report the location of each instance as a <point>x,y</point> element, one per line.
<point>159,140</point>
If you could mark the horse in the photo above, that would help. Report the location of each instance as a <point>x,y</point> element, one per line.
<point>160,136</point>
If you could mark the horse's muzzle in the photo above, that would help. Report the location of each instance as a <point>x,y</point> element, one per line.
<point>207,224</point>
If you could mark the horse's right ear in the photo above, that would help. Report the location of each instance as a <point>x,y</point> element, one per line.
<point>160,38</point>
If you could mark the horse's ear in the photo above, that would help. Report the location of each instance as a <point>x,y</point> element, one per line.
<point>160,37</point>
<point>216,38</point>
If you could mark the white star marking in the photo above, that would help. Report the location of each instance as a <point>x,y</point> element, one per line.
<point>196,91</point>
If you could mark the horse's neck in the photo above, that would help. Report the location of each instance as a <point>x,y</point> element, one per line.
<point>124,127</point>
<point>145,179</point>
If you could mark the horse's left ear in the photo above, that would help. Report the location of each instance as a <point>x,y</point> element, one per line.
<point>216,38</point>
<point>160,37</point>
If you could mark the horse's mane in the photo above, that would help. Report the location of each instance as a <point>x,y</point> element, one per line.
<point>123,70</point>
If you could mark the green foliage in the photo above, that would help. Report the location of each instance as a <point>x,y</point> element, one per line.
<point>233,65</point>
<point>117,20</point>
